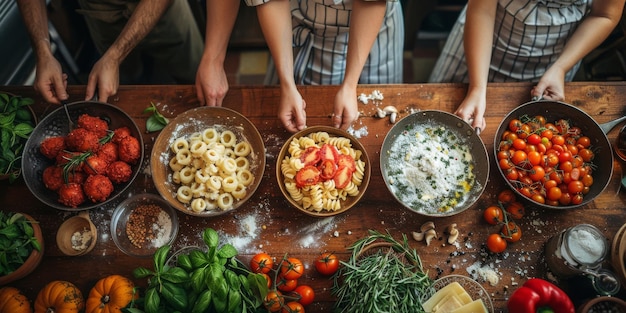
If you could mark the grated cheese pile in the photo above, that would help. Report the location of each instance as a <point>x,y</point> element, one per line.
<point>430,169</point>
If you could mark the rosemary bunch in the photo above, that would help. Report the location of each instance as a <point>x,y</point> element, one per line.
<point>383,280</point>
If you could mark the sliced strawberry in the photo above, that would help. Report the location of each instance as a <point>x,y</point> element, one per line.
<point>342,177</point>
<point>309,175</point>
<point>327,169</point>
<point>347,161</point>
<point>310,156</point>
<point>329,152</point>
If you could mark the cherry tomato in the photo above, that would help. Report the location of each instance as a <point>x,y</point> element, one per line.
<point>261,263</point>
<point>293,307</point>
<point>586,154</point>
<point>495,243</point>
<point>583,141</point>
<point>493,215</point>
<point>575,186</point>
<point>291,268</point>
<point>516,210</point>
<point>512,232</point>
<point>554,193</point>
<point>533,139</point>
<point>519,157</point>
<point>305,294</point>
<point>506,196</point>
<point>534,157</point>
<point>515,125</point>
<point>273,301</point>
<point>286,285</point>
<point>327,263</point>
<point>269,280</point>
<point>537,173</point>
<point>519,144</point>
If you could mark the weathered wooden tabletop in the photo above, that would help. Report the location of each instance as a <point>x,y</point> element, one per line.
<point>268,222</point>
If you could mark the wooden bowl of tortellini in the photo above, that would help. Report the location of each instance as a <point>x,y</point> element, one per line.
<point>208,161</point>
<point>323,171</point>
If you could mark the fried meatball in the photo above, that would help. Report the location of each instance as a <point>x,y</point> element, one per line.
<point>71,195</point>
<point>53,177</point>
<point>108,152</point>
<point>94,165</point>
<point>52,146</point>
<point>76,177</point>
<point>93,124</point>
<point>119,172</point>
<point>120,133</point>
<point>97,188</point>
<point>129,149</point>
<point>82,140</point>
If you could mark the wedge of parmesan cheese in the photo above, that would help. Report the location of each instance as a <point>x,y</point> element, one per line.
<point>476,306</point>
<point>453,299</point>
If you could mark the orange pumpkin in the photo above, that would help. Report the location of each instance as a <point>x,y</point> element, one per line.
<point>110,295</point>
<point>59,297</point>
<point>13,301</point>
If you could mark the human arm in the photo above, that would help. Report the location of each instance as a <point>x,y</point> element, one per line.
<point>50,81</point>
<point>105,73</point>
<point>477,43</point>
<point>365,22</point>
<point>211,81</point>
<point>275,21</point>
<point>592,31</point>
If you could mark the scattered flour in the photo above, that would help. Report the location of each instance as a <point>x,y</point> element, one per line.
<point>487,273</point>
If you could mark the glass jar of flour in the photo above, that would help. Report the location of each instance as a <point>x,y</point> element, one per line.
<point>576,250</point>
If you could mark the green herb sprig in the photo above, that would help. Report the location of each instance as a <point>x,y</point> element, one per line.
<point>156,121</point>
<point>16,125</point>
<point>385,280</point>
<point>17,241</point>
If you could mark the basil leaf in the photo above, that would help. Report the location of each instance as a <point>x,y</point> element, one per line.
<point>175,275</point>
<point>152,301</point>
<point>142,272</point>
<point>211,238</point>
<point>227,251</point>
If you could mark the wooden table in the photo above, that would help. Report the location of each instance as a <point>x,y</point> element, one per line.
<point>278,228</point>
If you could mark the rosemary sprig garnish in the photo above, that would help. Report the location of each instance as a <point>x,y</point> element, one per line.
<point>106,138</point>
<point>73,163</point>
<point>387,280</point>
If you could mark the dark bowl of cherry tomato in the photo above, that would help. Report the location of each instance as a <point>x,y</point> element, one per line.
<point>553,154</point>
<point>323,170</point>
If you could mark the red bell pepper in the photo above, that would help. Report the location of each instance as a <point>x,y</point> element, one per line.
<point>536,294</point>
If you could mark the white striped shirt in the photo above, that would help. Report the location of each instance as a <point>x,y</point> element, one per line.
<point>320,37</point>
<point>528,37</point>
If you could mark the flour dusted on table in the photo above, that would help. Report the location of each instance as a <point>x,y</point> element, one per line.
<point>430,168</point>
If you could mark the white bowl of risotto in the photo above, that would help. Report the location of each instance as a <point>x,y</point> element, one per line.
<point>323,171</point>
<point>208,161</point>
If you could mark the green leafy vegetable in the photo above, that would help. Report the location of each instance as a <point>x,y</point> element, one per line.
<point>16,125</point>
<point>201,280</point>
<point>17,241</point>
<point>156,121</point>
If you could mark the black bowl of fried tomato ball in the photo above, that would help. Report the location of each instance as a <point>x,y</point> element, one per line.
<point>86,166</point>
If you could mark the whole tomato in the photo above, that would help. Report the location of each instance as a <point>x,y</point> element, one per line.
<point>287,285</point>
<point>495,243</point>
<point>327,263</point>
<point>273,301</point>
<point>291,268</point>
<point>305,294</point>
<point>261,263</point>
<point>293,307</point>
<point>493,215</point>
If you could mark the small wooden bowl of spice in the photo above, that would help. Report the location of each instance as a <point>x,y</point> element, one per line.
<point>143,223</point>
<point>77,235</point>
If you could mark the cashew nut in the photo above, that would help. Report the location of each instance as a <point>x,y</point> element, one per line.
<point>380,113</point>
<point>452,232</point>
<point>392,117</point>
<point>430,235</point>
<point>427,232</point>
<point>390,109</point>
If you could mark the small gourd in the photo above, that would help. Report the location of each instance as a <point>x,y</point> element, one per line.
<point>13,301</point>
<point>110,295</point>
<point>59,297</point>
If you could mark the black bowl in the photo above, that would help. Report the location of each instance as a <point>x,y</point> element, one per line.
<point>56,124</point>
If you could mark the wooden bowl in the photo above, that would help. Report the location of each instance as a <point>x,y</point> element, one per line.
<point>618,254</point>
<point>32,261</point>
<point>602,304</point>
<point>328,204</point>
<point>77,235</point>
<point>195,121</point>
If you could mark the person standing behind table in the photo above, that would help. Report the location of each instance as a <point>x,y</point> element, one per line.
<point>125,33</point>
<point>540,41</point>
<point>319,30</point>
